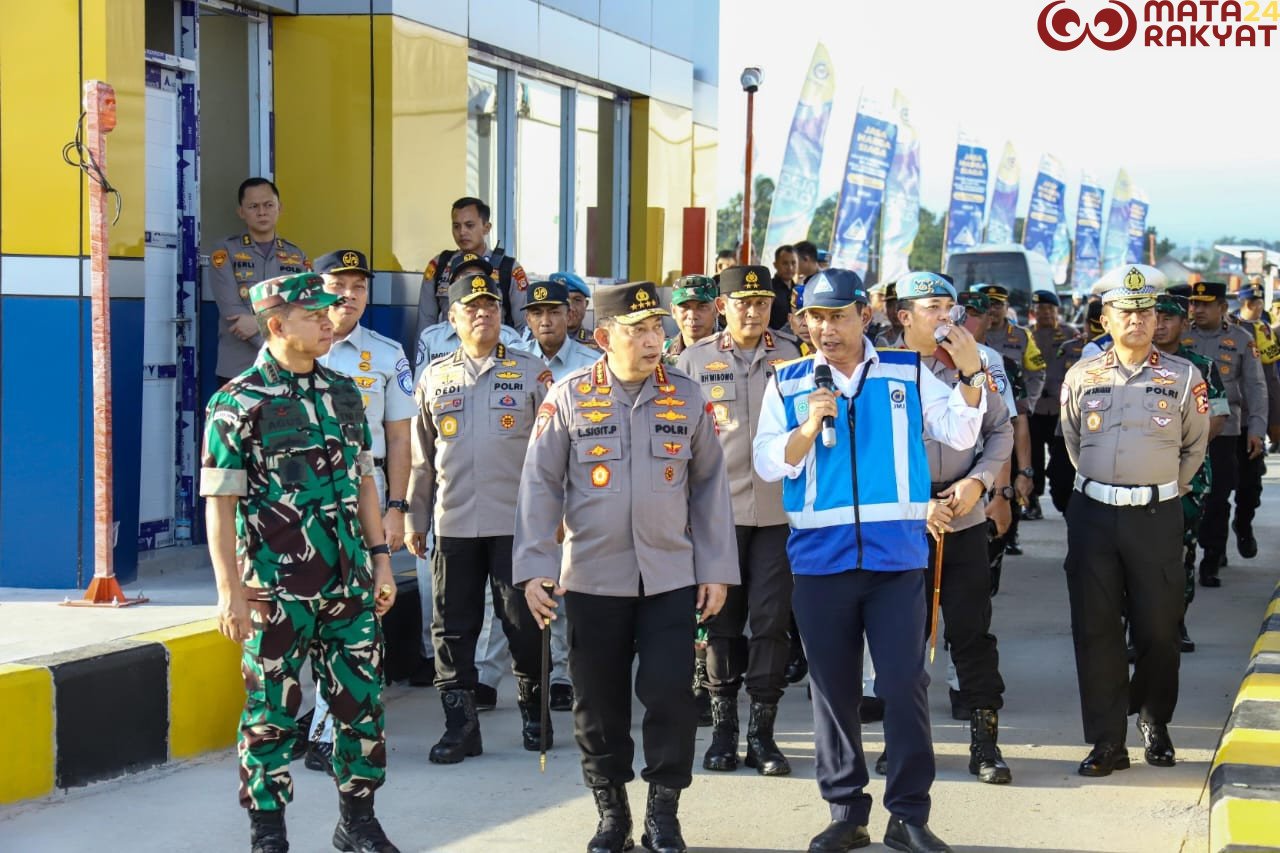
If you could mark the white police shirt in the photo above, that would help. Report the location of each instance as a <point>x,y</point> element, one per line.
<point>382,373</point>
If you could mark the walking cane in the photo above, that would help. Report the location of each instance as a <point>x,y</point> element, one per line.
<point>545,686</point>
<point>937,595</point>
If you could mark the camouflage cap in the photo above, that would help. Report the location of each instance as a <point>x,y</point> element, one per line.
<point>746,282</point>
<point>471,287</point>
<point>305,289</point>
<point>1167,303</point>
<point>976,301</point>
<point>695,288</point>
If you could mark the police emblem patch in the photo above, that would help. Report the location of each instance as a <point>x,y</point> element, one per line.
<point>350,259</point>
<point>601,475</point>
<point>507,421</point>
<point>1093,422</point>
<point>539,294</point>
<point>717,392</point>
<point>507,401</point>
<point>448,426</point>
<point>545,413</point>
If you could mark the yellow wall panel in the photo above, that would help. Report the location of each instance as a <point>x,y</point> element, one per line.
<point>114,33</point>
<point>40,101</point>
<point>323,112</point>
<point>420,140</point>
<point>670,178</point>
<point>26,713</point>
<point>705,153</point>
<point>206,690</point>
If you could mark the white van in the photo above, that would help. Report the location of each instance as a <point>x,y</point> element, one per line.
<point>1006,264</point>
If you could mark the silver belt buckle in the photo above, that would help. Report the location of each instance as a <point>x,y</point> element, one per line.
<point>1122,496</point>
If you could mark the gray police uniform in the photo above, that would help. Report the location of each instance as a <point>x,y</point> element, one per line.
<point>1044,412</point>
<point>442,339</point>
<point>639,480</point>
<point>433,297</point>
<point>1235,357</point>
<point>235,265</point>
<point>1016,343</point>
<point>474,418</point>
<point>733,382</point>
<point>966,569</point>
<point>1136,437</point>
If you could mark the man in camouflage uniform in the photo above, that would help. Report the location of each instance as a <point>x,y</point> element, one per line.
<point>288,474</point>
<point>693,307</point>
<point>1171,325</point>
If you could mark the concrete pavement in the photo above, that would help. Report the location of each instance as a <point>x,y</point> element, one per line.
<point>499,801</point>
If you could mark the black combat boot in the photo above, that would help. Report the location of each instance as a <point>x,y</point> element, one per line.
<point>661,823</point>
<point>613,832</point>
<point>762,752</point>
<point>529,700</point>
<point>722,754</point>
<point>985,760</point>
<point>358,831</point>
<point>1209,566</point>
<point>700,692</point>
<point>266,832</point>
<point>461,738</point>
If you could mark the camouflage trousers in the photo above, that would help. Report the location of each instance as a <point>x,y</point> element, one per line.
<point>343,639</point>
<point>1192,510</point>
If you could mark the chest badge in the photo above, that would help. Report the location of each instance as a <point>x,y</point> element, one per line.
<point>601,475</point>
<point>668,415</point>
<point>507,421</point>
<point>715,365</point>
<point>448,426</point>
<point>1093,422</point>
<point>717,392</point>
<point>598,451</point>
<point>672,447</point>
<point>597,417</point>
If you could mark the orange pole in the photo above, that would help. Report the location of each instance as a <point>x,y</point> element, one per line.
<point>937,597</point>
<point>746,191</point>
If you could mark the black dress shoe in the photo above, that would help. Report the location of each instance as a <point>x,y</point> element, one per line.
<point>1245,543</point>
<point>1103,759</point>
<point>882,764</point>
<point>871,709</point>
<point>839,836</point>
<point>1188,644</point>
<point>561,697</point>
<point>1159,748</point>
<point>1210,581</point>
<point>1013,549</point>
<point>486,697</point>
<point>912,838</point>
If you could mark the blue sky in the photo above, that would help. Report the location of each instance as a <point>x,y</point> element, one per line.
<point>1196,128</point>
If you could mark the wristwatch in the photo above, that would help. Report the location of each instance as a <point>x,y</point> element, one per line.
<point>380,549</point>
<point>403,506</point>
<point>1027,472</point>
<point>1007,492</point>
<point>974,380</point>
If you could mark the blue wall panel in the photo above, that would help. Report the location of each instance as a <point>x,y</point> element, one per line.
<point>394,321</point>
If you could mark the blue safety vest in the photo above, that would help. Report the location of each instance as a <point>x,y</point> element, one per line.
<point>862,503</point>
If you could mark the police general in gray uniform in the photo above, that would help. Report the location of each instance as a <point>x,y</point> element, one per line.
<point>476,409</point>
<point>1235,357</point>
<point>733,369</point>
<point>625,453</point>
<point>1136,422</point>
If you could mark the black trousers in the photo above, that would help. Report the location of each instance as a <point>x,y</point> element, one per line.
<point>763,600</point>
<point>1053,470</point>
<point>459,570</point>
<point>966,614</point>
<point>1223,457</point>
<point>1249,486</point>
<point>605,635</point>
<point>834,613</point>
<point>1124,559</point>
<point>1042,427</point>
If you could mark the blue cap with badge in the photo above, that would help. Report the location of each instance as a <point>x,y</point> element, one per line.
<point>834,288</point>
<point>1248,293</point>
<point>923,285</point>
<point>571,281</point>
<point>1046,297</point>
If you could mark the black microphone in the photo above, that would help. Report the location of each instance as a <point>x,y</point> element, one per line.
<point>822,378</point>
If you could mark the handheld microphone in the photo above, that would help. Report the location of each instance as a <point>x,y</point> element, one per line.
<point>822,378</point>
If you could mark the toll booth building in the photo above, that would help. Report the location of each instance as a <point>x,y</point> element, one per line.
<point>589,125</point>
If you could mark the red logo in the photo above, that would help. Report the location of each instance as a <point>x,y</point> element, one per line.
<point>1112,28</point>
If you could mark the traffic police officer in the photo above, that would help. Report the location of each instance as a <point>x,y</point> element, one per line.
<point>733,369</point>
<point>857,546</point>
<point>288,474</point>
<point>1252,467</point>
<point>241,261</point>
<point>1171,326</point>
<point>960,480</point>
<point>378,367</point>
<point>579,299</point>
<point>1235,355</point>
<point>1049,336</point>
<point>1136,422</point>
<point>475,411</point>
<point>625,452</point>
<point>546,318</point>
<point>693,307</point>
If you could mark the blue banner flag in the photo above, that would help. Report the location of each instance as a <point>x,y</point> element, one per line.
<point>866,172</point>
<point>901,218</point>
<point>796,195</point>
<point>1115,247</point>
<point>1046,212</point>
<point>1138,206</point>
<point>968,206</point>
<point>1004,198</point>
<point>1088,254</point>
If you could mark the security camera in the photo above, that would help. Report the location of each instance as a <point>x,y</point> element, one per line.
<point>751,79</point>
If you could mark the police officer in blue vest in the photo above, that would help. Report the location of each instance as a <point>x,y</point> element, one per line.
<point>844,431</point>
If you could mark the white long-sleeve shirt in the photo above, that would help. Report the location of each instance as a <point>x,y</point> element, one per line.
<point>948,418</point>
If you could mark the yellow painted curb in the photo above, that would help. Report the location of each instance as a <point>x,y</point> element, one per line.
<point>26,718</point>
<point>1260,687</point>
<point>1268,642</point>
<point>206,691</point>
<point>1249,746</point>
<point>1241,824</point>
